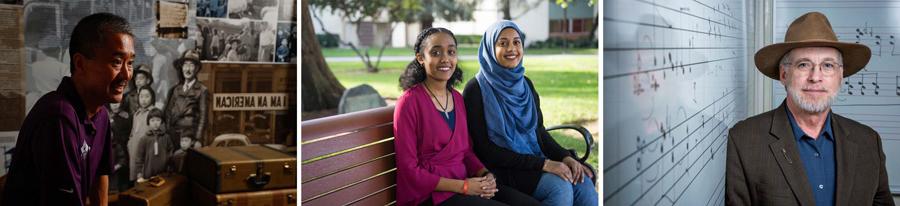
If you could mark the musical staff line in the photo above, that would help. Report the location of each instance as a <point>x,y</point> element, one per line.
<point>864,105</point>
<point>617,49</point>
<point>719,148</point>
<point>607,19</point>
<point>668,67</point>
<point>723,13</point>
<point>719,192</point>
<point>644,170</point>
<point>689,14</point>
<point>615,164</point>
<point>705,137</point>
<point>665,194</point>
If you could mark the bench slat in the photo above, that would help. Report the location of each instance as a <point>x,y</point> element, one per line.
<point>354,192</point>
<point>350,176</point>
<point>381,198</point>
<point>340,162</point>
<point>327,126</point>
<point>340,143</point>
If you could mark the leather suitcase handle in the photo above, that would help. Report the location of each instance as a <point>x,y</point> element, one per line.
<point>258,181</point>
<point>156,181</point>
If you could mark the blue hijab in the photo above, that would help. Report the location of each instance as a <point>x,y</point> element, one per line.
<point>509,109</point>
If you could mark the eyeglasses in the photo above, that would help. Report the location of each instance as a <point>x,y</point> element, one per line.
<point>827,67</point>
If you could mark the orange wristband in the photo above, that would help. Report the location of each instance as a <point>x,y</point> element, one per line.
<point>465,186</point>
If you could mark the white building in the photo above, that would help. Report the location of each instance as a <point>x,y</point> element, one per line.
<point>539,19</point>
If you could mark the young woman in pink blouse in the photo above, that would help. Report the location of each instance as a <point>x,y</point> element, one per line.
<point>435,161</point>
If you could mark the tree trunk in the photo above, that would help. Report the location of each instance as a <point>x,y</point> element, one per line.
<point>427,22</point>
<point>320,89</point>
<point>568,31</point>
<point>594,28</point>
<point>505,7</point>
<point>426,18</point>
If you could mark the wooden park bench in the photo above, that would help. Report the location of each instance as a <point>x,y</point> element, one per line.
<point>349,159</point>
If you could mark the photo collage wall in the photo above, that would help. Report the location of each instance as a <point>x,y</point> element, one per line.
<point>198,64</point>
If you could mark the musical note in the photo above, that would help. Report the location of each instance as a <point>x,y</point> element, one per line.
<point>875,83</point>
<point>878,43</point>
<point>893,47</point>
<point>672,156</point>
<point>862,77</point>
<point>695,92</point>
<point>897,79</point>
<point>638,88</point>
<point>862,86</point>
<point>703,123</point>
<point>639,145</point>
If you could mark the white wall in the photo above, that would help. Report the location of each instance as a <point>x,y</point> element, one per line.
<point>535,23</point>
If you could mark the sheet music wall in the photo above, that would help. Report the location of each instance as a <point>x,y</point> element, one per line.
<point>674,83</point>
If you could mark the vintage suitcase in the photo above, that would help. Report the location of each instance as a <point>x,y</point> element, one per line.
<point>242,168</point>
<point>276,197</point>
<point>166,189</point>
<point>290,150</point>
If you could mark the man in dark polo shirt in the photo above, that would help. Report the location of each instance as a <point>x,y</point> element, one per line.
<point>63,155</point>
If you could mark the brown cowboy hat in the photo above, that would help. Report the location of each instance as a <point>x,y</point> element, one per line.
<point>811,30</point>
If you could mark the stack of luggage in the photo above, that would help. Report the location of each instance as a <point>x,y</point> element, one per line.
<point>235,176</point>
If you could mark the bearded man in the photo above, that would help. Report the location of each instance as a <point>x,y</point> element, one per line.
<point>802,153</point>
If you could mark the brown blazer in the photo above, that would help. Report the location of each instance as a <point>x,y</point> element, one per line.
<point>763,164</point>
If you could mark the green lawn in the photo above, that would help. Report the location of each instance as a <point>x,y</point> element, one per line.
<point>577,143</point>
<point>567,85</point>
<point>345,52</point>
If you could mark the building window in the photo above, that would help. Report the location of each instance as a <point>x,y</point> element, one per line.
<point>573,28</point>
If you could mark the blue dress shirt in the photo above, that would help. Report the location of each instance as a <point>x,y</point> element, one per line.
<point>818,159</point>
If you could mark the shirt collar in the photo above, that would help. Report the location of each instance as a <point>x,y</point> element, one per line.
<point>798,133</point>
<point>67,89</point>
<point>189,84</point>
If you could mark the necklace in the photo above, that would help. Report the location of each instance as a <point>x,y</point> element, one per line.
<point>446,100</point>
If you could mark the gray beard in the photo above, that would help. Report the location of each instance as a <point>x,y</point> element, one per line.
<point>812,107</point>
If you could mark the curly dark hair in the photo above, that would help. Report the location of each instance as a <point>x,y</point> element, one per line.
<point>415,72</point>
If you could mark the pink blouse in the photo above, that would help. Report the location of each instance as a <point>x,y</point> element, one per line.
<point>427,149</point>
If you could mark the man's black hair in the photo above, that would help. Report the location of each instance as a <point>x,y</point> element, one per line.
<point>90,33</point>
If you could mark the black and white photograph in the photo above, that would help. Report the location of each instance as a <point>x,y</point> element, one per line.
<point>252,9</point>
<point>287,36</point>
<point>46,58</point>
<point>48,26</point>
<point>12,68</point>
<point>186,106</point>
<point>287,10</point>
<point>172,20</point>
<point>211,8</point>
<point>16,2</point>
<point>229,40</point>
<point>7,144</point>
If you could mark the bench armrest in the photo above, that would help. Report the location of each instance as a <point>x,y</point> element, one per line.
<point>588,143</point>
<point>588,139</point>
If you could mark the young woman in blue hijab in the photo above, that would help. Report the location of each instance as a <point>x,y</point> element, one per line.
<point>506,126</point>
